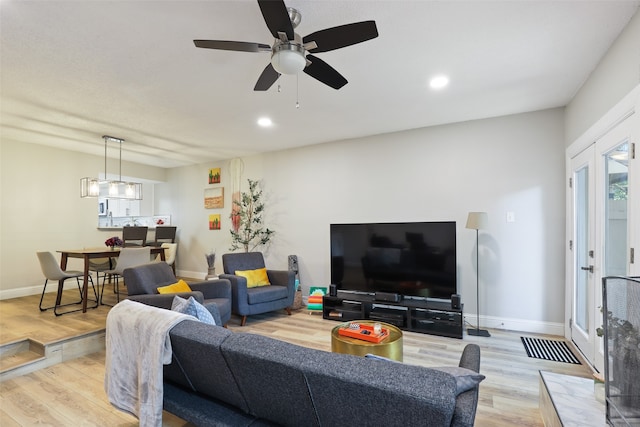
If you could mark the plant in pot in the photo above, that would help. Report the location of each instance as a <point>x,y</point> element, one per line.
<point>211,264</point>
<point>248,231</point>
<point>623,340</point>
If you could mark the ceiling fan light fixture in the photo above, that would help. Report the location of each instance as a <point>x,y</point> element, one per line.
<point>288,58</point>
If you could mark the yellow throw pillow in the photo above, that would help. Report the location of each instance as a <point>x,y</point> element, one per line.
<point>255,278</point>
<point>180,286</point>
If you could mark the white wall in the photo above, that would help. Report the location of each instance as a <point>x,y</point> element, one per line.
<point>617,74</point>
<point>512,163</point>
<point>41,209</point>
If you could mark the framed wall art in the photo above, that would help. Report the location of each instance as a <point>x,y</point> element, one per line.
<point>214,222</point>
<point>214,198</point>
<point>214,176</point>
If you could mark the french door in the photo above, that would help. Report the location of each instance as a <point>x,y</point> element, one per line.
<point>601,243</point>
<point>582,183</point>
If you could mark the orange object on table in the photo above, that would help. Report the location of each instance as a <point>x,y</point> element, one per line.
<point>357,333</point>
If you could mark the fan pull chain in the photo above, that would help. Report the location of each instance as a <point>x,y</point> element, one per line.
<point>297,90</point>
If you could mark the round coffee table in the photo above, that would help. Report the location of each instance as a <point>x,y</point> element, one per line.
<point>390,347</point>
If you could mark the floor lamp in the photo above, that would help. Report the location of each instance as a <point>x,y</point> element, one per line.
<point>477,221</point>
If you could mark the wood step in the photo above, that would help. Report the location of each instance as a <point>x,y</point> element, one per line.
<point>19,353</point>
<point>24,356</point>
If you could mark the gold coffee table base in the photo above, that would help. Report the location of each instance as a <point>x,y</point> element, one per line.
<point>390,347</point>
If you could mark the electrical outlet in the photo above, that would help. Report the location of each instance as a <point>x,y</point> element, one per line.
<point>511,216</point>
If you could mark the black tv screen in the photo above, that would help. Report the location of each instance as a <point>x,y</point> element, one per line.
<point>411,258</point>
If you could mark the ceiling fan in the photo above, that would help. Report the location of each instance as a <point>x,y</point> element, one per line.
<point>291,53</point>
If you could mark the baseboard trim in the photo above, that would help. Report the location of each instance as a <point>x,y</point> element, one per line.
<point>35,290</point>
<point>521,325</point>
<point>196,275</point>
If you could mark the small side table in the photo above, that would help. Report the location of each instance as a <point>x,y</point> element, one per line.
<point>390,347</point>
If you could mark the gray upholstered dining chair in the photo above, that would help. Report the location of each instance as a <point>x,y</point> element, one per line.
<point>247,300</point>
<point>170,251</point>
<point>129,257</point>
<point>100,265</point>
<point>52,271</point>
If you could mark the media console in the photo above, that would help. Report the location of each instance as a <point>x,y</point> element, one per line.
<point>410,314</point>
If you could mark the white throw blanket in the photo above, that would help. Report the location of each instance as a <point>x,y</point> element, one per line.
<point>138,344</point>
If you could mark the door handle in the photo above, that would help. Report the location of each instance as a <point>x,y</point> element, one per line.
<point>589,269</point>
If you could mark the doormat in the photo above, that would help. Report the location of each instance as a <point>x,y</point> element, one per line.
<point>556,351</point>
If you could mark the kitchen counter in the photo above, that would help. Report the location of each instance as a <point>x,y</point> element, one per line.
<point>119,222</point>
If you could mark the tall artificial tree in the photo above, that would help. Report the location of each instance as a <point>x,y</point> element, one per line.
<point>248,231</point>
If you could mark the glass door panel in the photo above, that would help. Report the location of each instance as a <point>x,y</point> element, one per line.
<point>581,312</point>
<point>615,209</point>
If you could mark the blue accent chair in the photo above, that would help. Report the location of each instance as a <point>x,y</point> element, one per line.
<point>263,299</point>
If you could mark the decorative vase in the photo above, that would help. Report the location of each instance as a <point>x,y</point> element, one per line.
<point>211,273</point>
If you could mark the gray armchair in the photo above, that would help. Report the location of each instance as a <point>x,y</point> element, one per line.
<point>142,283</point>
<point>263,299</point>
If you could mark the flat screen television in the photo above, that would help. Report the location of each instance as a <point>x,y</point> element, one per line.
<point>409,258</point>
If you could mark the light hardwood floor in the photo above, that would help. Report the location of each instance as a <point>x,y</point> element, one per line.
<point>71,393</point>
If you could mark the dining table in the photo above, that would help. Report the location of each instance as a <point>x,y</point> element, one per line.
<point>88,254</point>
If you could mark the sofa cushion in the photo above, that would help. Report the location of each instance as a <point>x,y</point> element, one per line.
<point>255,278</point>
<point>466,379</point>
<point>198,363</point>
<point>386,393</point>
<point>179,286</point>
<point>192,308</point>
<point>269,375</point>
<point>266,294</point>
<point>199,410</point>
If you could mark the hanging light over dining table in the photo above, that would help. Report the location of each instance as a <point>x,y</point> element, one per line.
<point>114,189</point>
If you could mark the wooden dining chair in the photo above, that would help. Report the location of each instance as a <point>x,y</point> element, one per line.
<point>164,234</point>
<point>129,257</point>
<point>52,271</point>
<point>134,236</point>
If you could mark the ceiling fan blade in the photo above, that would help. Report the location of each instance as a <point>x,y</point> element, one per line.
<point>267,78</point>
<point>325,73</point>
<point>276,17</point>
<point>342,36</point>
<point>231,45</point>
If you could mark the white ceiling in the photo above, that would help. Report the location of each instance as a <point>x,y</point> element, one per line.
<point>72,71</point>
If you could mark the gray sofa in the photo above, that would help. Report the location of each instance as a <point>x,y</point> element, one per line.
<point>142,283</point>
<point>221,378</point>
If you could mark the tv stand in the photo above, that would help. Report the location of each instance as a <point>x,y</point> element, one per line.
<point>410,314</point>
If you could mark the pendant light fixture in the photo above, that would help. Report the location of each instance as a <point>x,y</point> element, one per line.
<point>93,187</point>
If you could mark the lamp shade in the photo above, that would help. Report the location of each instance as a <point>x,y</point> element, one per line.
<point>477,220</point>
<point>93,187</point>
<point>89,187</point>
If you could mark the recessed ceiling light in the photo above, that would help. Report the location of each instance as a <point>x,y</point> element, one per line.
<point>438,82</point>
<point>265,122</point>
